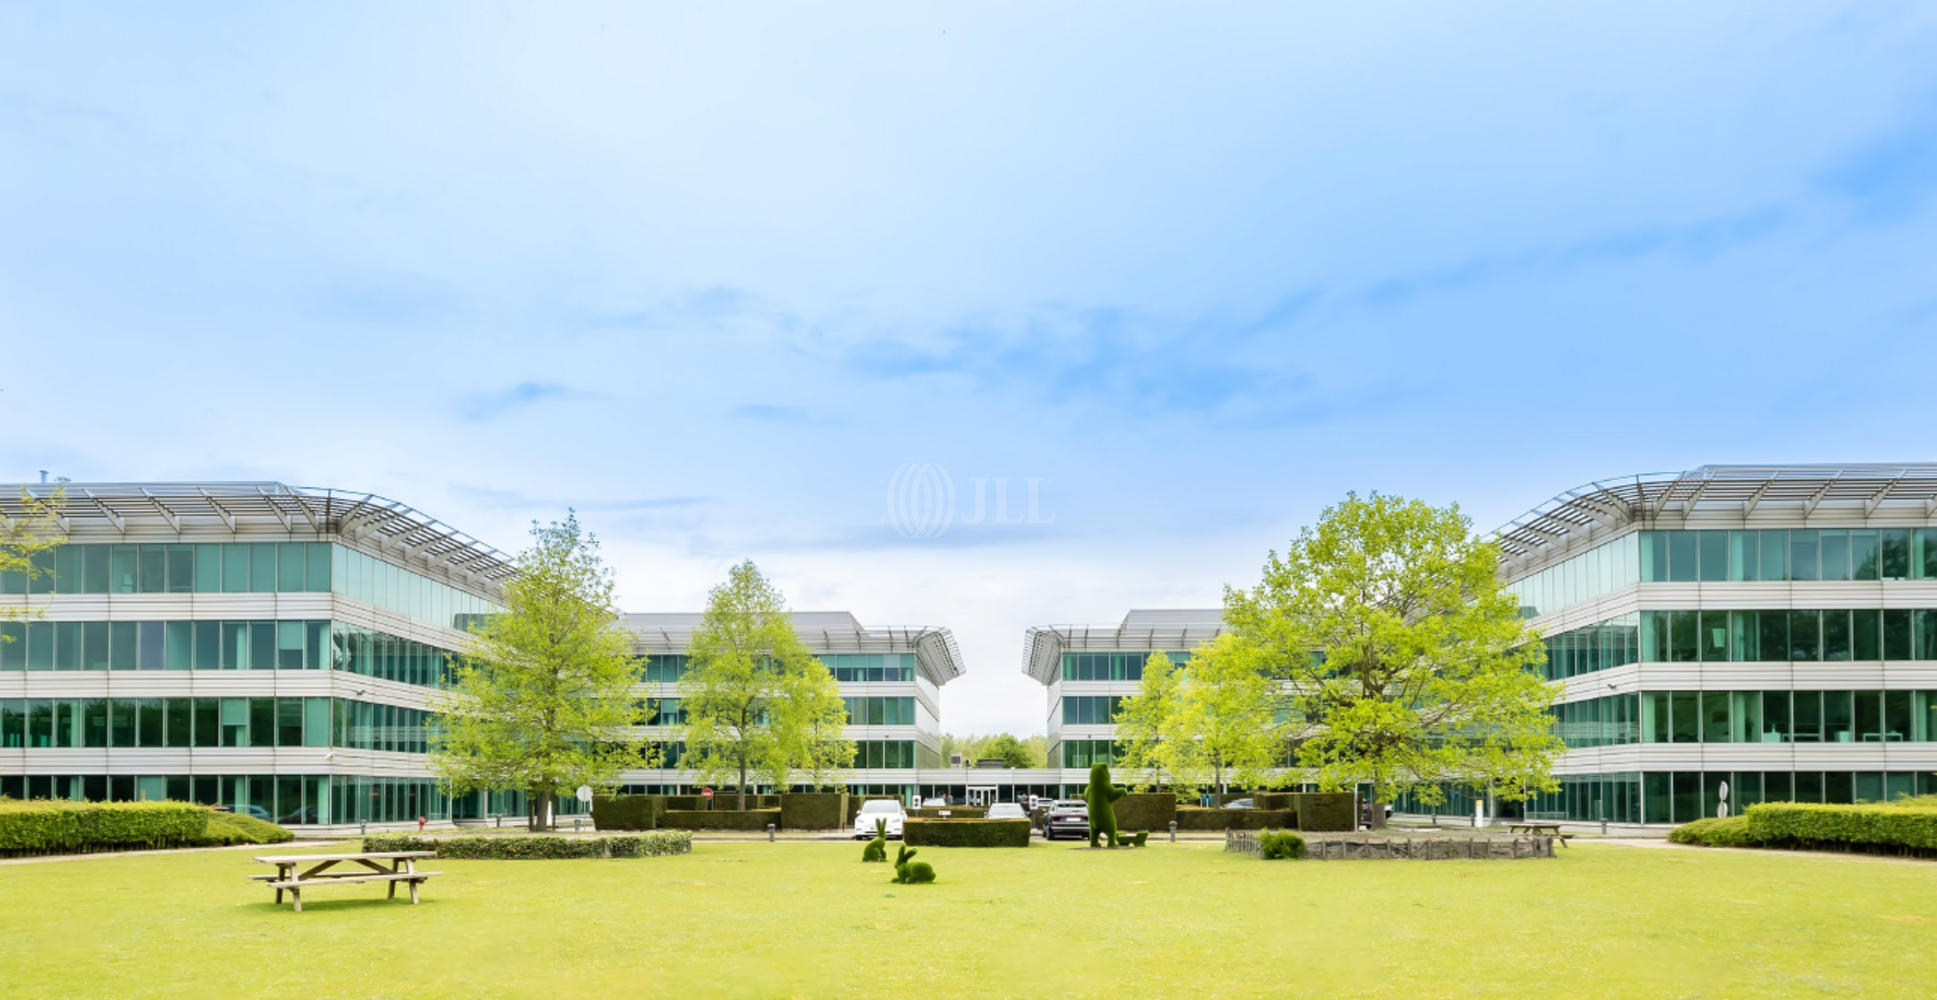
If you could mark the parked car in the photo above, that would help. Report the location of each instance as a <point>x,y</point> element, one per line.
<point>935,802</point>
<point>1240,804</point>
<point>1006,810</point>
<point>1066,819</point>
<point>874,809</point>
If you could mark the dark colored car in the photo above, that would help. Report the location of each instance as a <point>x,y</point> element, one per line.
<point>1066,820</point>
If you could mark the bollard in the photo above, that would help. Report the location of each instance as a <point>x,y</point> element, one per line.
<point>500,822</point>
<point>575,824</point>
<point>363,828</point>
<point>1604,826</point>
<point>1173,831</point>
<point>769,833</point>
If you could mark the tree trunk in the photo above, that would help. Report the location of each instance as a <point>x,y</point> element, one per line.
<point>1377,814</point>
<point>743,781</point>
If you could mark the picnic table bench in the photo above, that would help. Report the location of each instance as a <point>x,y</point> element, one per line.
<point>292,877</point>
<point>1550,829</point>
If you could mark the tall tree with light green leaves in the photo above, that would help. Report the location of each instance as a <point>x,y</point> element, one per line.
<point>30,530</point>
<point>758,705</point>
<point>541,700</point>
<point>1406,663</point>
<point>1225,728</point>
<point>1145,721</point>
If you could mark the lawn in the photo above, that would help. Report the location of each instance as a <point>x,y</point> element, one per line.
<point>808,919</point>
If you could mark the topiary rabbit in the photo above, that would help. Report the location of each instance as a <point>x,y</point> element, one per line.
<point>877,849</point>
<point>1101,795</point>
<point>908,870</point>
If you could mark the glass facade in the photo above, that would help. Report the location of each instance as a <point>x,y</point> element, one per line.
<point>1609,566</point>
<point>1787,716</point>
<point>1789,554</point>
<point>221,645</point>
<point>1091,710</point>
<point>1600,646</point>
<point>884,753</point>
<point>247,568</point>
<point>873,711</point>
<point>1088,753</point>
<point>870,667</point>
<point>1833,635</point>
<point>110,723</point>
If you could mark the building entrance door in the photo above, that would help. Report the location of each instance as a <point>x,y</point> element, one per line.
<point>979,798</point>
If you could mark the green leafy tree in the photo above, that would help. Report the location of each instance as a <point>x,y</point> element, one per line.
<point>757,703</point>
<point>1008,750</point>
<point>1210,721</point>
<point>1405,663</point>
<point>542,698</point>
<point>28,534</point>
<point>1144,723</point>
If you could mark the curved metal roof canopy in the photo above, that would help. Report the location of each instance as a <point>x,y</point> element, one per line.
<point>1578,515</point>
<point>1043,645</point>
<point>939,660</point>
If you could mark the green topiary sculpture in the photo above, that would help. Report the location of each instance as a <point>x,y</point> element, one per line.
<point>1100,794</point>
<point>877,849</point>
<point>1142,835</point>
<point>908,870</point>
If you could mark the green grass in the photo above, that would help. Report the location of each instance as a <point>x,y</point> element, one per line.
<point>809,919</point>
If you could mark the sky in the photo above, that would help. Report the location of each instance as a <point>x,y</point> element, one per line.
<point>780,282</point>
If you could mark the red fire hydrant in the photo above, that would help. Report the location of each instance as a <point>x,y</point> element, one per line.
<point>420,824</point>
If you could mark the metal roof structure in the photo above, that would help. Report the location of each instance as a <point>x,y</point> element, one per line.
<point>824,632</point>
<point>1043,645</point>
<point>394,529</point>
<point>1576,516</point>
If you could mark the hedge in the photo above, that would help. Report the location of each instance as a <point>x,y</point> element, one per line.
<point>725,819</point>
<point>965,832</point>
<point>730,801</point>
<point>1277,800</point>
<point>59,826</point>
<point>1712,832</point>
<point>685,802</point>
<point>1150,811</point>
<point>1200,818</point>
<point>627,812</point>
<point>954,812</point>
<point>226,829</point>
<point>1326,812</point>
<point>538,847</point>
<point>1280,845</point>
<point>1795,824</point>
<point>812,810</point>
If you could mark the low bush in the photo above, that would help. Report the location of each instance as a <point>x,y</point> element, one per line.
<point>538,847</point>
<point>1730,832</point>
<point>1902,826</point>
<point>58,826</point>
<point>1280,845</point>
<point>1151,811</point>
<point>1200,818</point>
<point>226,829</point>
<point>812,810</point>
<point>966,832</point>
<point>728,819</point>
<point>730,801</point>
<point>627,812</point>
<point>685,802</point>
<point>1277,800</point>
<point>1326,812</point>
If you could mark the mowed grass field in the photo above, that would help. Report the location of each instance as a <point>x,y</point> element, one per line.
<point>807,919</point>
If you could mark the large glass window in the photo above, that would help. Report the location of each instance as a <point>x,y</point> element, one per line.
<point>1775,554</point>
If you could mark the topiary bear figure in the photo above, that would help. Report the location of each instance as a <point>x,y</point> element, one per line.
<point>877,849</point>
<point>908,870</point>
<point>1100,795</point>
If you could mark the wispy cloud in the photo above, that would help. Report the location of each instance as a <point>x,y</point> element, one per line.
<point>518,396</point>
<point>1891,174</point>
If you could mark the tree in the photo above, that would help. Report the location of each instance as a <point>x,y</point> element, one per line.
<point>1010,751</point>
<point>757,703</point>
<point>1211,721</point>
<point>1406,664</point>
<point>28,535</point>
<point>542,698</point>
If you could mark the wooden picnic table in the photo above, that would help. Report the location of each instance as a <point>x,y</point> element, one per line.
<point>1550,829</point>
<point>292,877</point>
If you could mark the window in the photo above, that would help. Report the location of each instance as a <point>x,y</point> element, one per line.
<point>1863,555</point>
<point>1685,715</point>
<point>1835,547</point>
<point>1809,716</point>
<point>1866,634</point>
<point>1895,545</point>
<point>1804,636</point>
<point>1682,556</point>
<point>1896,634</point>
<point>1775,717</point>
<point>1775,554</point>
<point>1742,556</point>
<point>1804,563</point>
<point>1838,717</point>
<point>1715,555</point>
<point>1836,635</point>
<point>1715,717</point>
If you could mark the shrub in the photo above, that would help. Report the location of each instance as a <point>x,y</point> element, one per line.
<point>728,801</point>
<point>1326,812</point>
<point>1731,832</point>
<point>1905,826</point>
<point>1280,845</point>
<point>52,826</point>
<point>226,829</point>
<point>812,810</point>
<point>966,832</point>
<point>729,819</point>
<point>685,802</point>
<point>1200,818</point>
<point>1262,819</point>
<point>1146,811</point>
<point>538,847</point>
<point>627,812</point>
<point>1277,800</point>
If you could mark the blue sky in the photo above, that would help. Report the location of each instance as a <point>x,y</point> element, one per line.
<point>713,273</point>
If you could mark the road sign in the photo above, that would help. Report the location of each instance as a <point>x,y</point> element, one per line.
<point>585,794</point>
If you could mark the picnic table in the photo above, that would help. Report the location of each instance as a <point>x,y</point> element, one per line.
<point>377,866</point>
<point>1549,829</point>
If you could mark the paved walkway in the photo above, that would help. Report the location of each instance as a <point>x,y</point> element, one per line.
<point>38,859</point>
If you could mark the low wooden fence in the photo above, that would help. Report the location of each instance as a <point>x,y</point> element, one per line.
<point>1378,847</point>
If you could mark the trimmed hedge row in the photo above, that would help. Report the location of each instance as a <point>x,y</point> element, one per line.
<point>1151,811</point>
<point>1712,832</point>
<point>1800,824</point>
<point>812,810</point>
<point>1200,818</point>
<point>58,826</point>
<point>225,829</point>
<point>954,812</point>
<point>729,819</point>
<point>627,812</point>
<point>1325,812</point>
<point>538,847</point>
<point>730,801</point>
<point>965,832</point>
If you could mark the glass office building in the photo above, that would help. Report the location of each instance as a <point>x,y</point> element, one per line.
<point>1735,634</point>
<point>269,648</point>
<point>890,679</point>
